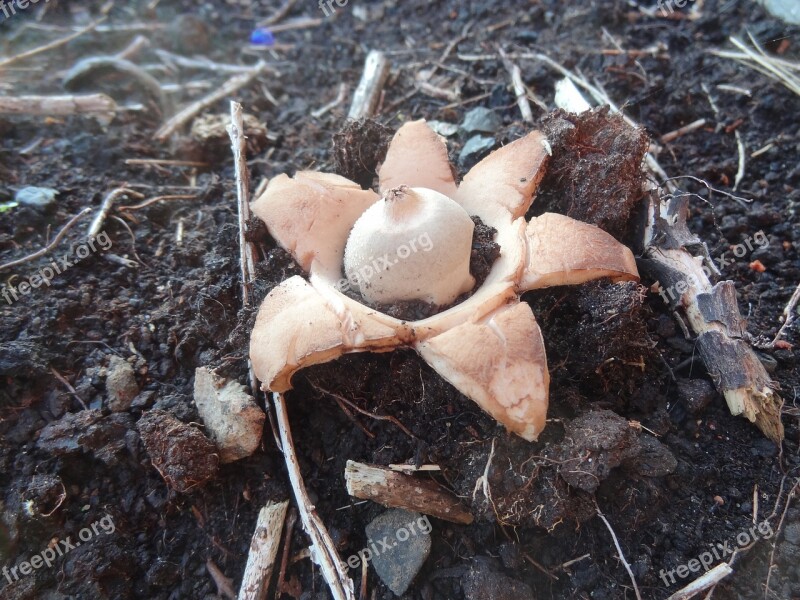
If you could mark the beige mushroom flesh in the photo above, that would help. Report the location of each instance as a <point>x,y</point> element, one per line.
<point>489,346</point>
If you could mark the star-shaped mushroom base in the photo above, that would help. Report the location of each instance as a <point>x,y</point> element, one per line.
<point>489,347</point>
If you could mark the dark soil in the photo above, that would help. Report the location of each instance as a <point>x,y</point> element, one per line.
<point>635,427</point>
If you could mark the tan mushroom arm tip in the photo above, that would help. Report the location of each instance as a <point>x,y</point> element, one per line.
<point>417,157</point>
<point>311,215</point>
<point>294,329</point>
<point>499,363</point>
<point>564,251</point>
<point>507,178</point>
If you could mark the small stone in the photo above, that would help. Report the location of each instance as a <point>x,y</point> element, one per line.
<point>788,10</point>
<point>481,583</point>
<point>475,147</point>
<point>443,128</point>
<point>402,539</point>
<point>36,196</point>
<point>481,120</point>
<point>121,385</point>
<point>232,417</point>
<point>792,534</point>
<point>696,393</point>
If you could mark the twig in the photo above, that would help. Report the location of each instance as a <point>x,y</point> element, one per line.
<point>105,208</point>
<point>151,201</point>
<point>301,23</point>
<point>279,14</point>
<point>69,387</point>
<point>58,105</point>
<point>247,251</point>
<point>54,44</point>
<point>229,87</point>
<point>778,529</point>
<point>323,548</point>
<point>674,135</point>
<point>777,69</point>
<point>165,162</point>
<point>788,314</point>
<point>619,552</point>
<point>519,87</point>
<point>263,550</point>
<point>138,44</point>
<point>702,583</point>
<point>386,487</point>
<point>287,547</point>
<point>224,584</point>
<point>89,70</point>
<point>170,58</point>
<point>331,105</point>
<point>368,92</point>
<point>59,236</point>
<point>357,408</point>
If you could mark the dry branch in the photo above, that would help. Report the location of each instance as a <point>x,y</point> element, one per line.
<point>41,252</point>
<point>712,313</point>
<point>229,87</point>
<point>386,487</point>
<point>323,548</point>
<point>50,46</point>
<point>519,87</point>
<point>702,583</point>
<point>368,92</point>
<point>263,550</point>
<point>58,105</point>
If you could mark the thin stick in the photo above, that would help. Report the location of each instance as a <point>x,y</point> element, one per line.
<point>398,490</point>
<point>54,44</point>
<point>247,251</point>
<point>58,105</point>
<point>702,583</point>
<point>674,135</point>
<point>165,162</point>
<point>357,408</point>
<point>229,87</point>
<point>519,87</point>
<point>287,547</point>
<point>59,236</point>
<point>69,387</point>
<point>105,208</point>
<point>619,552</point>
<point>263,550</point>
<point>279,14</point>
<point>203,63</point>
<point>331,105</point>
<point>159,199</point>
<point>788,314</point>
<point>323,548</point>
<point>368,92</point>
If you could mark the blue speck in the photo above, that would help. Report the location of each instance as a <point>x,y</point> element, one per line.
<point>262,37</point>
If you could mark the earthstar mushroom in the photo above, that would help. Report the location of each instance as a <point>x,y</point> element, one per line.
<point>489,346</point>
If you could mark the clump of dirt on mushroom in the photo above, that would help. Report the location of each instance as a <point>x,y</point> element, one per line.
<point>595,174</point>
